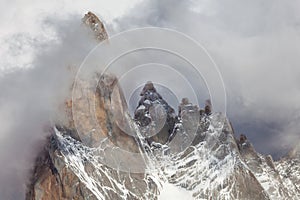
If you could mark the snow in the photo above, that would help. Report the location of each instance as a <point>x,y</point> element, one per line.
<point>206,173</point>
<point>171,191</point>
<point>141,107</point>
<point>198,174</point>
<point>147,102</point>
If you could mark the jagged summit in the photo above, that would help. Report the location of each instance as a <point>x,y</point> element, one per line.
<point>186,106</point>
<point>216,165</point>
<point>155,115</point>
<point>97,27</point>
<point>149,87</point>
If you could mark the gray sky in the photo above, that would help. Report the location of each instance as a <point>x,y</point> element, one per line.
<point>256,45</point>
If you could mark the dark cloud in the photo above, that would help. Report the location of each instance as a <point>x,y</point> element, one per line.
<point>256,45</point>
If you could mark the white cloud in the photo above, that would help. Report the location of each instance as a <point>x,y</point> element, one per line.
<point>26,19</point>
<point>256,44</point>
<point>44,36</point>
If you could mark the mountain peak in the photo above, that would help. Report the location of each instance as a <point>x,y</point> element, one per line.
<point>149,87</point>
<point>155,115</point>
<point>95,25</point>
<point>214,166</point>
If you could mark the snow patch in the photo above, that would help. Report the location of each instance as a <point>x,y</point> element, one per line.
<point>171,191</point>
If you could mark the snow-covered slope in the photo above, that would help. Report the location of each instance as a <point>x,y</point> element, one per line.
<point>289,171</point>
<point>215,166</point>
<point>190,155</point>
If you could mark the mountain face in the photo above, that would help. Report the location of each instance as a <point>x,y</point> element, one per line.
<point>95,25</point>
<point>152,105</point>
<point>209,163</point>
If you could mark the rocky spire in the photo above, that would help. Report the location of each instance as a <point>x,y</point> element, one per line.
<point>154,114</point>
<point>208,107</point>
<point>213,168</point>
<point>93,22</point>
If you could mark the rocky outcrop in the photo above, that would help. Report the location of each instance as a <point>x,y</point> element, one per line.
<point>268,173</point>
<point>96,26</point>
<point>52,179</point>
<point>207,161</point>
<point>53,176</point>
<point>288,168</point>
<point>109,106</point>
<point>216,166</point>
<point>63,170</point>
<point>155,116</point>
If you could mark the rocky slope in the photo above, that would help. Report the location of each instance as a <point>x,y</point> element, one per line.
<point>194,150</point>
<point>288,169</point>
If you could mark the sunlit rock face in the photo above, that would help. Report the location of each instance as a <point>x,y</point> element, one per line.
<point>214,165</point>
<point>107,104</point>
<point>52,179</point>
<point>67,168</point>
<point>96,26</point>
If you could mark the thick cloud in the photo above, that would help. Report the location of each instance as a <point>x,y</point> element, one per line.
<point>42,45</point>
<point>256,45</point>
<point>31,99</point>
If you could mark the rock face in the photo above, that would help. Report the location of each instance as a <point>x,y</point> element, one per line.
<point>289,172</point>
<point>213,168</point>
<point>215,164</point>
<point>272,175</point>
<point>62,172</point>
<point>57,175</point>
<point>155,116</point>
<point>52,179</point>
<point>97,27</point>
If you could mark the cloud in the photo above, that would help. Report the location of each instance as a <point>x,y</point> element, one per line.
<point>40,43</point>
<point>255,44</point>
<point>257,48</point>
<point>31,99</point>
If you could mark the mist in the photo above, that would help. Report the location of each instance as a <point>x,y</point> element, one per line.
<point>32,99</point>
<point>256,45</point>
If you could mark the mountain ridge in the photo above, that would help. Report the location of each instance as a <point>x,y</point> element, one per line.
<point>216,165</point>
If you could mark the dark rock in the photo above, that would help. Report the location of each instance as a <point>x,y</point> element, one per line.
<point>154,115</point>
<point>208,107</point>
